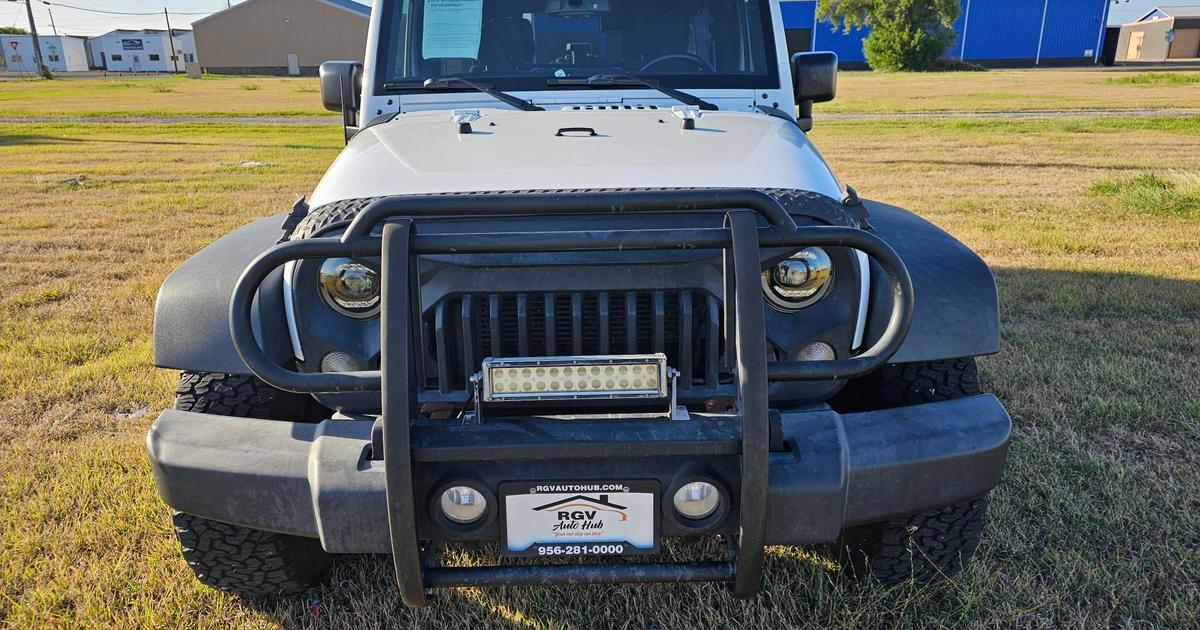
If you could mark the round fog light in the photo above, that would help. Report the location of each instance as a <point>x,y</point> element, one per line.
<point>697,500</point>
<point>463,504</point>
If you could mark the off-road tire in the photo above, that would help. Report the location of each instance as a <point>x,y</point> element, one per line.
<point>904,384</point>
<point>239,396</point>
<point>929,545</point>
<point>246,562</point>
<point>339,214</point>
<point>329,216</point>
<point>924,547</point>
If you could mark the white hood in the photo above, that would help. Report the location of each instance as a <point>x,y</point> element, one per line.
<point>510,150</point>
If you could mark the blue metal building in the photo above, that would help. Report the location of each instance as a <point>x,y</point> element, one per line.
<point>990,32</point>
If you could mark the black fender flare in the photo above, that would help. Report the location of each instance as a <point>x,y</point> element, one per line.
<point>957,310</point>
<point>191,315</point>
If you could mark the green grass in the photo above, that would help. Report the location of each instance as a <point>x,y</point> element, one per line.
<point>1095,523</point>
<point>1158,78</point>
<point>1175,194</point>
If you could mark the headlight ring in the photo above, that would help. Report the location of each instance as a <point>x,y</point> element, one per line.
<point>349,287</point>
<point>800,281</point>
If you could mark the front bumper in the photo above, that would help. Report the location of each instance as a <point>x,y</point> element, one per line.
<point>319,480</point>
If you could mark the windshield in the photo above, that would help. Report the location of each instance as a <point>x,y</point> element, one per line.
<point>524,44</point>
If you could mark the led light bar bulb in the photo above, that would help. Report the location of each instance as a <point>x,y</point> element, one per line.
<point>536,378</point>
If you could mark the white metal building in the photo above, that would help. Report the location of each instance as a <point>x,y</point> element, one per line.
<point>144,50</point>
<point>60,53</point>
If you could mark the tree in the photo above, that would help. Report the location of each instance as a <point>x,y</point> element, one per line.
<point>905,34</point>
<point>13,30</point>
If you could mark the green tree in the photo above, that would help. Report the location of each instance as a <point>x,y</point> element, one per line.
<point>905,34</point>
<point>13,30</point>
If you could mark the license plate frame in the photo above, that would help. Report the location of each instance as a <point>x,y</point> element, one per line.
<point>595,508</point>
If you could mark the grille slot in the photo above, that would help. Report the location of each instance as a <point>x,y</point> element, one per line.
<point>462,330</point>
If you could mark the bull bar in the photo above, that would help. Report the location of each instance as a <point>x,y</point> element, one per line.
<point>740,240</point>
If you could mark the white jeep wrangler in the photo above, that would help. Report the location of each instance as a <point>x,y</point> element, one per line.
<point>578,283</point>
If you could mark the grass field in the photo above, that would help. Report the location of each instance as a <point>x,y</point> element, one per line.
<point>1091,224</point>
<point>860,92</point>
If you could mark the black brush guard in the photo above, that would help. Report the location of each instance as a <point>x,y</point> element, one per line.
<point>740,241</point>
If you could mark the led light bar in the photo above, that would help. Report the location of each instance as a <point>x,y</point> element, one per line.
<point>575,378</point>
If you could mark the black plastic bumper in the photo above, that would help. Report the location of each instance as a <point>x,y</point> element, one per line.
<point>318,480</point>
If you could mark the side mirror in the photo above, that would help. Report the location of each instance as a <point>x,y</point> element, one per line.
<point>814,77</point>
<point>341,86</point>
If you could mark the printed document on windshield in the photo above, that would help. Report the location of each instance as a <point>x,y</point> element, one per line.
<point>452,29</point>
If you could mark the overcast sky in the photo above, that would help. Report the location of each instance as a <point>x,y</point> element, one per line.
<point>75,21</point>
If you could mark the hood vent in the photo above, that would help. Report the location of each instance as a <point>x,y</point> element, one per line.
<point>576,108</point>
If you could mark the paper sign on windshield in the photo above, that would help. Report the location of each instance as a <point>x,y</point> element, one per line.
<point>452,29</point>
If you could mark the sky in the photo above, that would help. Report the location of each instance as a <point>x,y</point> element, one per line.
<point>69,16</point>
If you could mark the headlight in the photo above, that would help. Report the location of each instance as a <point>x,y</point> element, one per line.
<point>800,280</point>
<point>349,287</point>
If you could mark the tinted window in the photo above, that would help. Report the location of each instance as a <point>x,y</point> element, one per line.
<point>520,44</point>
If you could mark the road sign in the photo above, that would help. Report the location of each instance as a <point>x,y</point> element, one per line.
<point>13,43</point>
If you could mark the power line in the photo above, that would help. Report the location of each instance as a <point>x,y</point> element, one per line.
<point>90,10</point>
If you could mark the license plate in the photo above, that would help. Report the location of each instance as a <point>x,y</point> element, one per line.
<point>559,519</point>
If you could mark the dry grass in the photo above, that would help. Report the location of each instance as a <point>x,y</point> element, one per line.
<point>162,96</point>
<point>1015,90</point>
<point>1097,522</point>
<point>860,92</point>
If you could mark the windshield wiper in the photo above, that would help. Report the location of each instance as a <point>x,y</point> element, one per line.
<point>610,80</point>
<point>449,82</point>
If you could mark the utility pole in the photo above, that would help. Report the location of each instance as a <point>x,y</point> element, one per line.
<point>52,22</point>
<point>171,39</point>
<point>1042,34</point>
<point>37,47</point>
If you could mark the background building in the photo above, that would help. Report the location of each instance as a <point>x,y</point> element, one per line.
<point>1163,34</point>
<point>60,53</point>
<point>144,50</point>
<point>281,36</point>
<point>990,32</point>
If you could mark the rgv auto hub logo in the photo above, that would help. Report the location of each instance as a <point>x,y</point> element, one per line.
<point>582,513</point>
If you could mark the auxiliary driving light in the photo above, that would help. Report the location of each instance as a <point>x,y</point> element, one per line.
<point>573,378</point>
<point>697,500</point>
<point>463,504</point>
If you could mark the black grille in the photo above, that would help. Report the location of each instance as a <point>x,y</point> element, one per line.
<point>463,330</point>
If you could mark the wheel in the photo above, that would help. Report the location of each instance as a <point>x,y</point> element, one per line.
<point>932,544</point>
<point>338,214</point>
<point>904,384</point>
<point>241,396</point>
<point>246,562</point>
<point>329,216</point>
<point>923,547</point>
<point>687,58</point>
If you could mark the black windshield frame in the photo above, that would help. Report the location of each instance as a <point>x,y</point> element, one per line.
<point>391,21</point>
